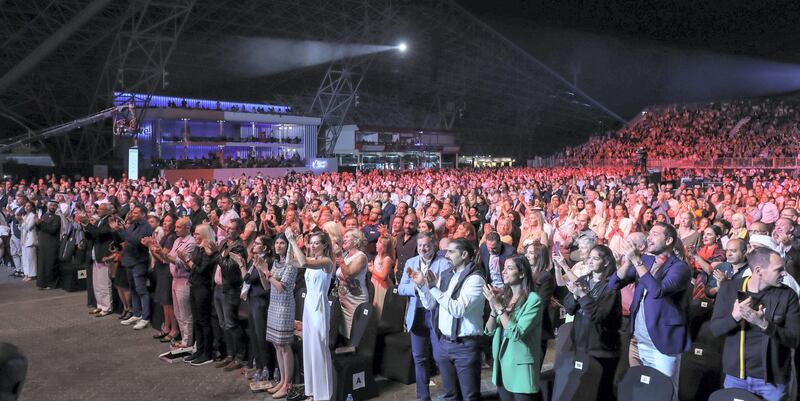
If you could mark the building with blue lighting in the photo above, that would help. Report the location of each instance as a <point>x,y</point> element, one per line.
<point>175,130</point>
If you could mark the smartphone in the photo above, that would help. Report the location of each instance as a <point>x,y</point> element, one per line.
<point>557,248</point>
<point>741,296</point>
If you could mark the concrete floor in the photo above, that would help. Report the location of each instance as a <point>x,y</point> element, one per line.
<point>75,356</point>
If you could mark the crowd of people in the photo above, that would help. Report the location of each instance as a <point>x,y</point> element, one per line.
<point>214,160</point>
<point>490,264</point>
<point>763,128</point>
<point>198,105</point>
<point>262,137</point>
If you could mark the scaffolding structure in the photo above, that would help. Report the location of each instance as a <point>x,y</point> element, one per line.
<point>61,60</point>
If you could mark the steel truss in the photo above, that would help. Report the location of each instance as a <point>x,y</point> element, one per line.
<point>459,73</point>
<point>136,63</point>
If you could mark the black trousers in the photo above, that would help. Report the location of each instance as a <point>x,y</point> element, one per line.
<point>7,259</point>
<point>263,351</point>
<point>506,395</point>
<point>90,299</point>
<point>607,385</point>
<point>200,298</point>
<point>228,316</point>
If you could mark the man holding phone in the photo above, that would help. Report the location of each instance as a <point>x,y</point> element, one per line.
<point>760,320</point>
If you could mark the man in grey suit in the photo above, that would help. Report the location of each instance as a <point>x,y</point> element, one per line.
<point>424,341</point>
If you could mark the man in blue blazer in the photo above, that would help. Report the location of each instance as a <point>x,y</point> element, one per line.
<point>660,301</point>
<point>418,319</point>
<point>493,255</point>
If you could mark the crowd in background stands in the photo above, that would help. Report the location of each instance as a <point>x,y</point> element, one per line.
<point>262,137</point>
<point>745,128</point>
<point>477,253</point>
<point>213,161</point>
<point>243,109</point>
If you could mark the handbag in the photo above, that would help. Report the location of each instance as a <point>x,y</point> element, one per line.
<point>246,287</point>
<point>68,247</point>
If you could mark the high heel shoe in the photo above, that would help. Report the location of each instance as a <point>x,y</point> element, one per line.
<point>168,338</point>
<point>280,394</point>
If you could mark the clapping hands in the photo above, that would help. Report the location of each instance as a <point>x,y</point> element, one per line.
<point>421,279</point>
<point>491,295</point>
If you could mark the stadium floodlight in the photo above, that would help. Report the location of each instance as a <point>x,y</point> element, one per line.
<point>402,47</point>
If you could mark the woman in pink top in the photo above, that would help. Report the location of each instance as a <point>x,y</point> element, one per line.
<point>380,269</point>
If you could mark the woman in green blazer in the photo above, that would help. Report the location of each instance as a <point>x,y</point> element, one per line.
<point>516,324</point>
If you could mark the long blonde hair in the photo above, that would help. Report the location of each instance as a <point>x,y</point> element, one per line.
<point>332,229</point>
<point>206,233</point>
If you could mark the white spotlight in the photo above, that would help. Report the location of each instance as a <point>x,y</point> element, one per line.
<point>402,47</point>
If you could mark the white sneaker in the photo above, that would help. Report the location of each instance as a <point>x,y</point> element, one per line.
<point>141,324</point>
<point>131,320</point>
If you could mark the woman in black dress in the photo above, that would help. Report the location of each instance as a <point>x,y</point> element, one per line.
<point>163,292</point>
<point>598,316</point>
<point>260,259</point>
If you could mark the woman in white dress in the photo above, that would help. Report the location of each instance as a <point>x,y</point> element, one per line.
<point>29,240</point>
<point>352,274</point>
<point>317,363</point>
<point>619,227</point>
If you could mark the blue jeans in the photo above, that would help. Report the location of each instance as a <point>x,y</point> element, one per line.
<point>423,343</point>
<point>759,387</point>
<point>460,368</point>
<point>140,297</point>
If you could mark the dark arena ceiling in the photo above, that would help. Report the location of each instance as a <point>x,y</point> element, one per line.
<point>62,59</point>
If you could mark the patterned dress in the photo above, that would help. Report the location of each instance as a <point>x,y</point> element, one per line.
<point>280,317</point>
<point>352,292</point>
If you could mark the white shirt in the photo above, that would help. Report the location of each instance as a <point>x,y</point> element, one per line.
<point>468,306</point>
<point>223,223</point>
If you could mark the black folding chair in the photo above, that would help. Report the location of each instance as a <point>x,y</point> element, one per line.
<point>645,383</point>
<point>577,377</point>
<point>734,394</point>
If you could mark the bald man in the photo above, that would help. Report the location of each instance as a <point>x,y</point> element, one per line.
<point>733,267</point>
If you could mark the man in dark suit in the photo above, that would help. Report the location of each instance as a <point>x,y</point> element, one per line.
<point>493,254</point>
<point>180,210</point>
<point>388,209</point>
<point>49,228</point>
<point>124,204</point>
<point>761,330</point>
<point>135,258</point>
<point>101,236</point>
<point>196,213</point>
<point>660,300</point>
